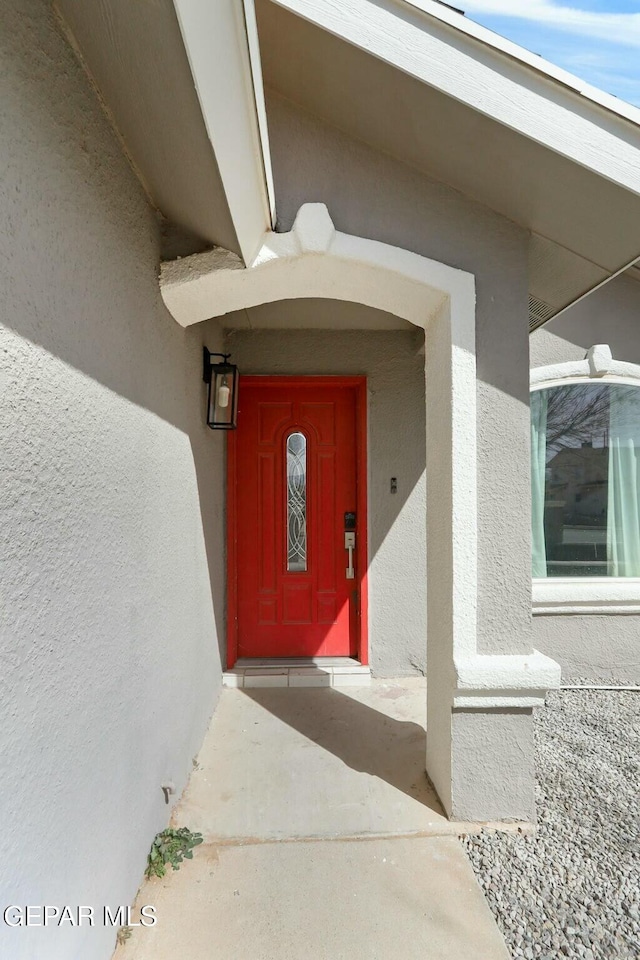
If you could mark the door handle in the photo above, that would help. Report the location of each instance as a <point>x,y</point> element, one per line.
<point>350,545</point>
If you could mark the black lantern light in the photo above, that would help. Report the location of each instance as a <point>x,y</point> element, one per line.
<point>222,402</point>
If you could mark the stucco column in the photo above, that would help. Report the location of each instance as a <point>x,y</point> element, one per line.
<point>479,706</point>
<point>451,523</point>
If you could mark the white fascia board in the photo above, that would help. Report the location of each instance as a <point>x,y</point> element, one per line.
<point>222,46</point>
<point>251,27</point>
<point>533,60</point>
<point>433,47</point>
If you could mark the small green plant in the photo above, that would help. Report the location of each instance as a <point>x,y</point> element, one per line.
<point>123,935</point>
<point>171,846</point>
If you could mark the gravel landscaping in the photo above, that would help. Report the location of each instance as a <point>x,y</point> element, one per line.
<point>573,889</point>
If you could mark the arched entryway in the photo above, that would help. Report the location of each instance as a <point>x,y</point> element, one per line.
<point>466,690</point>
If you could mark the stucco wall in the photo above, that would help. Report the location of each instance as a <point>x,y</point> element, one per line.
<point>111,576</point>
<point>593,646</point>
<point>609,315</point>
<point>373,195</point>
<point>396,448</point>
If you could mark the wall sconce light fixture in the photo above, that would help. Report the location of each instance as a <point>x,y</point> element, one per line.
<point>222,402</point>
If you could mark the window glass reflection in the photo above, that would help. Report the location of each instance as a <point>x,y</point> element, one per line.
<point>585,442</point>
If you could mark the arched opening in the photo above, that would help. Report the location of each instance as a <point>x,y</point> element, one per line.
<point>316,261</point>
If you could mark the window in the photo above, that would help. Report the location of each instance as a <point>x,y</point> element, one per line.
<point>585,436</point>
<point>296,502</point>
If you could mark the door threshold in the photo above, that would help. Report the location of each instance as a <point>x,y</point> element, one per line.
<point>298,672</point>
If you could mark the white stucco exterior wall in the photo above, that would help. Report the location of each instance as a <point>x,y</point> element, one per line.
<point>112,523</point>
<point>593,646</point>
<point>375,196</point>
<point>394,367</point>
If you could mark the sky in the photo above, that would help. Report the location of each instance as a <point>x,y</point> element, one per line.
<point>597,40</point>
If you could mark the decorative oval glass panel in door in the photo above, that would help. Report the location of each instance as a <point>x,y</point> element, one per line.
<point>296,502</point>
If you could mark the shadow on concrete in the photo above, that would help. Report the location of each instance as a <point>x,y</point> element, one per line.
<point>365,739</point>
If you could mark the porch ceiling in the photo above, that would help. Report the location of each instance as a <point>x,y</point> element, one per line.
<point>585,226</point>
<point>313,314</point>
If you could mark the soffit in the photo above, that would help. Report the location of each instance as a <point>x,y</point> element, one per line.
<point>135,55</point>
<point>586,227</point>
<point>634,273</point>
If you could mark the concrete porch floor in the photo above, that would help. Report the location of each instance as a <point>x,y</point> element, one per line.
<point>323,838</point>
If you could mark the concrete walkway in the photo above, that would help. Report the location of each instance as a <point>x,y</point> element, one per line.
<point>323,839</point>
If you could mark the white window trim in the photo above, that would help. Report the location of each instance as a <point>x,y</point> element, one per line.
<point>598,364</point>
<point>586,595</point>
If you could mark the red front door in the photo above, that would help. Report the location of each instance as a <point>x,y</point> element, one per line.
<point>295,478</point>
